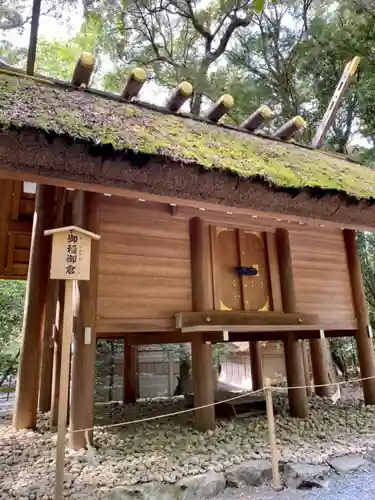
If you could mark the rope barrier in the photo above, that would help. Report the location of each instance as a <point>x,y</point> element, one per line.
<point>188,410</point>
<point>343,382</point>
<point>165,415</point>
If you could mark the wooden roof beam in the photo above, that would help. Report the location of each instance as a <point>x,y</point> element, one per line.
<point>83,70</point>
<point>290,128</point>
<point>180,95</point>
<point>258,118</point>
<point>134,83</point>
<point>220,108</point>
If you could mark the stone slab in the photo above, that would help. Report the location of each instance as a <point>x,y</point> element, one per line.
<point>348,463</point>
<point>250,473</point>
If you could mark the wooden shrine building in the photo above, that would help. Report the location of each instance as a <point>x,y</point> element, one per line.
<point>209,233</point>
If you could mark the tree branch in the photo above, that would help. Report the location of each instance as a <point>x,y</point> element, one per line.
<point>190,14</point>
<point>235,23</point>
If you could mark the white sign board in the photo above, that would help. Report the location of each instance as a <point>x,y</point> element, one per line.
<point>71,253</point>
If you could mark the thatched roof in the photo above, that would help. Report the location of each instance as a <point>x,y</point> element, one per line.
<point>118,126</point>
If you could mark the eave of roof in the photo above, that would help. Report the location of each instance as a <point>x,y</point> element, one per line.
<point>26,103</point>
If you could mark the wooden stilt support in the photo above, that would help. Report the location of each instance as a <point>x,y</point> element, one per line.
<point>63,214</point>
<point>256,365</point>
<point>45,388</point>
<point>25,413</point>
<point>318,349</point>
<point>84,353</point>
<point>306,367</point>
<point>57,355</point>
<point>171,379</point>
<point>202,301</point>
<point>298,402</point>
<point>365,346</point>
<point>201,354</point>
<point>130,372</point>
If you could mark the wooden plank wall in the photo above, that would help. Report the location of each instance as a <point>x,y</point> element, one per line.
<point>144,267</point>
<point>321,276</point>
<point>16,214</point>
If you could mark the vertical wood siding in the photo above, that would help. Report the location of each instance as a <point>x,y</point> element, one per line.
<point>321,276</point>
<point>16,215</point>
<point>145,276</point>
<point>144,268</point>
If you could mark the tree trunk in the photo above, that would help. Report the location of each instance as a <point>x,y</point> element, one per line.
<point>200,85</point>
<point>196,103</point>
<point>331,363</point>
<point>184,379</point>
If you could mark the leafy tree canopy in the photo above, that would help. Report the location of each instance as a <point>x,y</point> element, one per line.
<point>12,294</point>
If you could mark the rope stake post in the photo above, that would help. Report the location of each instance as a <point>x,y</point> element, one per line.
<point>64,390</point>
<point>272,435</point>
<point>70,261</point>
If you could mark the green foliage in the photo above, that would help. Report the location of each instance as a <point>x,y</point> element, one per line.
<point>58,59</point>
<point>366,250</point>
<point>12,295</point>
<point>12,14</point>
<point>220,351</point>
<point>176,39</point>
<point>292,60</point>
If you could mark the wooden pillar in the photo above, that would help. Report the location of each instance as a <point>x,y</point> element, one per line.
<point>365,346</point>
<point>318,349</point>
<point>201,352</point>
<point>55,390</point>
<point>45,388</point>
<point>130,373</point>
<point>85,211</point>
<point>256,365</point>
<point>26,403</point>
<point>298,402</point>
<point>306,367</point>
<point>171,379</point>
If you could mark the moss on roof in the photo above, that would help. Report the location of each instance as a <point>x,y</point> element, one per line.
<point>27,103</point>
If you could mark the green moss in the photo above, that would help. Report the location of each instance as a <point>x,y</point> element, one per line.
<point>25,102</point>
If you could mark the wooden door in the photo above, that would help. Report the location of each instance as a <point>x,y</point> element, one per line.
<point>233,249</point>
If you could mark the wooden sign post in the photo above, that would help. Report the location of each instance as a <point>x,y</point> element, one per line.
<point>272,435</point>
<point>71,256</point>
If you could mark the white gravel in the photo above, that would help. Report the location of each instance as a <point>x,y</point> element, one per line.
<point>169,449</point>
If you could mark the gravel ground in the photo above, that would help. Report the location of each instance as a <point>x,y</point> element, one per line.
<point>168,449</point>
<point>360,485</point>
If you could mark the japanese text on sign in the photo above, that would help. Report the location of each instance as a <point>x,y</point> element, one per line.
<point>71,254</point>
<point>71,250</point>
